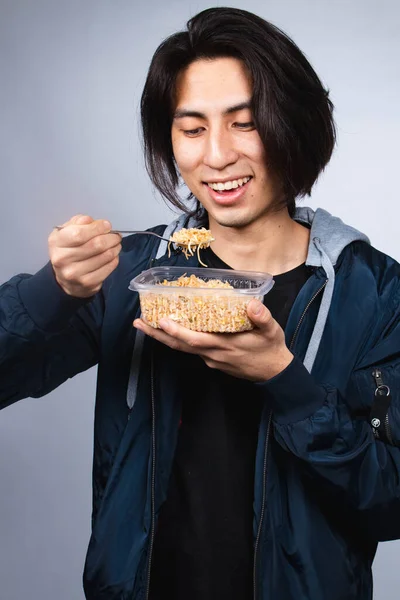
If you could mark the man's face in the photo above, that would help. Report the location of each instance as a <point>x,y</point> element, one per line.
<point>217,149</point>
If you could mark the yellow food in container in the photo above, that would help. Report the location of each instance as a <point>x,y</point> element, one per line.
<point>210,300</point>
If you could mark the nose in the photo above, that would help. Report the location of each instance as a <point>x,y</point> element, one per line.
<point>219,150</point>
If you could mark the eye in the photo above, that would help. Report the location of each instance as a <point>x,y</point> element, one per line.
<point>193,132</point>
<point>245,126</point>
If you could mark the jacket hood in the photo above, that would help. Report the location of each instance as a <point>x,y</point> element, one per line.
<point>328,238</point>
<point>333,235</point>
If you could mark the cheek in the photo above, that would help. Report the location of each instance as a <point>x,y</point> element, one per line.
<point>256,151</point>
<point>185,162</point>
<point>258,156</point>
<point>249,145</point>
<point>186,155</point>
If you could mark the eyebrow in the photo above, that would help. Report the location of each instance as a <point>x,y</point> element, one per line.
<point>182,112</point>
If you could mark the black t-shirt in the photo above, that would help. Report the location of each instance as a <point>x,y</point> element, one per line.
<point>203,547</point>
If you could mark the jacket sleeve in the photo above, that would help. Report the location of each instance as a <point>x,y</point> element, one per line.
<point>46,336</point>
<point>338,447</point>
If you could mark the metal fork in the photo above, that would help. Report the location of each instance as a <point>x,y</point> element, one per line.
<point>124,232</point>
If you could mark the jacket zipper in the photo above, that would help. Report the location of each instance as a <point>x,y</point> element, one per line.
<point>153,476</point>
<point>264,493</point>
<point>382,388</point>
<point>153,468</point>
<point>304,314</point>
<point>266,450</point>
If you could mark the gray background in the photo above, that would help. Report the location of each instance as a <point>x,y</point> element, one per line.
<point>71,74</point>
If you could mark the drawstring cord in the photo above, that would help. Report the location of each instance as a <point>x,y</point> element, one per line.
<point>323,309</point>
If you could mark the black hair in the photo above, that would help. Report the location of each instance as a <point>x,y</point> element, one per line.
<point>291,108</point>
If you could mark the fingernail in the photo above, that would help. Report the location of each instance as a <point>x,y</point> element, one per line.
<point>107,225</point>
<point>164,323</point>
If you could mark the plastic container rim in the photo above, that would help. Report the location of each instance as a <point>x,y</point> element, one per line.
<point>144,282</point>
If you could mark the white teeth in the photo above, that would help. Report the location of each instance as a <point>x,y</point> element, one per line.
<point>229,185</point>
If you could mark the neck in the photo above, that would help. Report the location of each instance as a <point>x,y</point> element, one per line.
<point>275,244</point>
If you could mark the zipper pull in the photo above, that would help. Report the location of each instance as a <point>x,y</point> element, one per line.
<point>379,415</point>
<point>377,375</point>
<point>381,388</point>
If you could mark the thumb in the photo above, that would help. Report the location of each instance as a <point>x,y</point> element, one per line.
<point>259,314</point>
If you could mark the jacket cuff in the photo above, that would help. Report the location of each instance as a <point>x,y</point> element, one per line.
<point>293,393</point>
<point>46,303</point>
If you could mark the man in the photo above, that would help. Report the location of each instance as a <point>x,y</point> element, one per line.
<point>259,465</point>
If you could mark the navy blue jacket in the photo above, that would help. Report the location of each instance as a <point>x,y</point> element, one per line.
<point>327,483</point>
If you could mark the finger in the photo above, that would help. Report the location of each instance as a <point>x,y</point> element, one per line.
<point>78,220</point>
<point>81,220</point>
<point>93,281</point>
<point>260,315</point>
<point>94,247</point>
<point>160,336</point>
<point>75,234</point>
<point>99,244</point>
<point>170,341</point>
<point>194,339</point>
<point>77,270</point>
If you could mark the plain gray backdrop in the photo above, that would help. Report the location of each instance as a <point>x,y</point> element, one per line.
<point>71,75</point>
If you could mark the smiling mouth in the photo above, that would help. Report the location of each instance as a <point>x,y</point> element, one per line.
<point>227,186</point>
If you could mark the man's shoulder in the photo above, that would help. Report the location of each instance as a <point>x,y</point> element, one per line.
<point>373,269</point>
<point>369,254</point>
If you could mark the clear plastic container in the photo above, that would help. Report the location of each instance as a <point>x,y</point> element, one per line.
<point>212,309</point>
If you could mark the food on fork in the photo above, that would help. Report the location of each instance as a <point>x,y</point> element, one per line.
<point>191,240</point>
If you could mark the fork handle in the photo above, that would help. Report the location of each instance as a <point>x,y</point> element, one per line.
<point>139,233</point>
<point>128,231</point>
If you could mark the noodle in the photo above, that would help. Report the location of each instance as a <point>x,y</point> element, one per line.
<point>191,240</point>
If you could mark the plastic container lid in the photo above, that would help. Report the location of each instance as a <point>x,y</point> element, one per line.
<point>247,283</point>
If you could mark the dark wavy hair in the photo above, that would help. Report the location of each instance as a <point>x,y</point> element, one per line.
<point>291,108</point>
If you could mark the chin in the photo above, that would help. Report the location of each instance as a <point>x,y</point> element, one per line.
<point>235,221</point>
